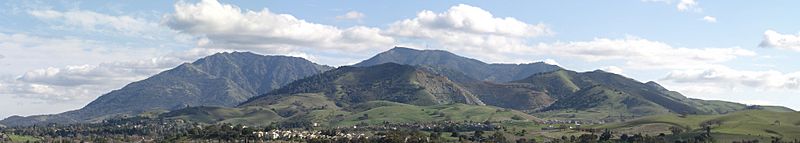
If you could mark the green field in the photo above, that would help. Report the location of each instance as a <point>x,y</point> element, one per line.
<point>22,139</point>
<point>747,124</point>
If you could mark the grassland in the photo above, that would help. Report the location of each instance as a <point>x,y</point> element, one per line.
<point>747,124</point>
<point>314,108</point>
<point>22,139</point>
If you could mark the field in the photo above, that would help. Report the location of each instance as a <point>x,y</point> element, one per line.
<point>747,124</point>
<point>22,139</point>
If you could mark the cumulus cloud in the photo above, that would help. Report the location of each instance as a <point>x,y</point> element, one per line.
<point>469,30</point>
<point>642,53</point>
<point>229,26</point>
<point>465,19</point>
<point>773,39</point>
<point>721,76</point>
<point>351,15</point>
<point>710,19</point>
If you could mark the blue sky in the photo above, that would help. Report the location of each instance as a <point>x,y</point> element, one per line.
<point>59,56</point>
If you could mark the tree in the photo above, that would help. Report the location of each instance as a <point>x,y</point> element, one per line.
<point>454,134</point>
<point>499,137</point>
<point>477,135</point>
<point>624,137</point>
<point>606,135</point>
<point>675,130</point>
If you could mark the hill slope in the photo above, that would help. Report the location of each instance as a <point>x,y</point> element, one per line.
<point>390,82</point>
<point>411,85</point>
<point>734,126</point>
<point>470,67</point>
<point>223,79</point>
<point>302,110</point>
<point>599,95</point>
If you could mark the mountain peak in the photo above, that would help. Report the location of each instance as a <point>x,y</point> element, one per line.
<point>221,79</point>
<point>656,85</point>
<point>446,60</point>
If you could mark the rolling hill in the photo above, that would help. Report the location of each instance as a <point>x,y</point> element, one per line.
<point>609,96</point>
<point>397,93</point>
<point>735,126</point>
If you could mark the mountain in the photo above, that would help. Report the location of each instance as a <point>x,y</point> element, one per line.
<point>389,82</point>
<point>417,85</point>
<point>470,67</point>
<point>387,92</point>
<point>223,79</point>
<point>603,95</point>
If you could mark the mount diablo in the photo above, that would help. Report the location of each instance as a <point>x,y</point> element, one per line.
<point>222,79</point>
<point>280,88</point>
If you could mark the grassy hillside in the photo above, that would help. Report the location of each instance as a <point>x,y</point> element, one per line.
<point>312,108</point>
<point>405,113</point>
<point>392,82</point>
<point>746,124</point>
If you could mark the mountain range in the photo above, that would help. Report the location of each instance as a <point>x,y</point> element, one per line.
<point>248,88</point>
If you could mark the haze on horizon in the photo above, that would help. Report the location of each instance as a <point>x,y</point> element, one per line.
<point>59,56</point>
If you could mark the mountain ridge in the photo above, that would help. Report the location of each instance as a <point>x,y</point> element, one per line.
<point>221,79</point>
<point>471,67</point>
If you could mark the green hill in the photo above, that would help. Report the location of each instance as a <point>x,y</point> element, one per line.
<point>600,95</point>
<point>372,112</point>
<point>390,82</point>
<point>745,124</point>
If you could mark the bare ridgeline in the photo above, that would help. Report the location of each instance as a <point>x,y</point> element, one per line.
<point>401,95</point>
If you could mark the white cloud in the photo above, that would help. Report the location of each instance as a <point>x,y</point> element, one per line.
<point>82,83</point>
<point>471,31</point>
<point>351,15</point>
<point>83,20</point>
<point>24,52</point>
<point>685,5</point>
<point>77,70</point>
<point>465,19</point>
<point>773,39</point>
<point>613,69</point>
<point>642,53</point>
<point>710,19</point>
<point>682,5</point>
<point>721,76</point>
<point>228,26</point>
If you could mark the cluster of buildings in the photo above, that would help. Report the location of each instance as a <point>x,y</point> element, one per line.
<point>4,138</point>
<point>305,135</point>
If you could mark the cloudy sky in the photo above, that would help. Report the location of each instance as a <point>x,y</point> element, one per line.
<point>59,56</point>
